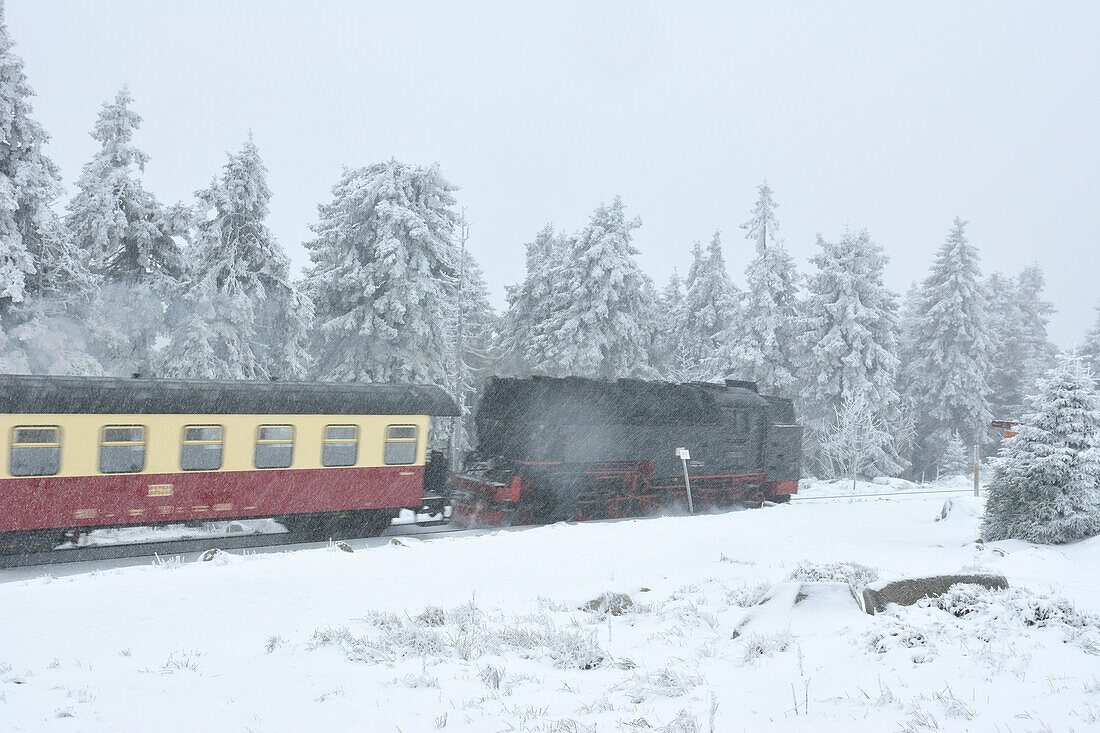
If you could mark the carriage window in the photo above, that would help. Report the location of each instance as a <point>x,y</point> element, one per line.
<point>35,451</point>
<point>400,445</point>
<point>201,449</point>
<point>122,449</point>
<point>274,446</point>
<point>341,446</point>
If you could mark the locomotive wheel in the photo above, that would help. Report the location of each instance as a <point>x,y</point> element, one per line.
<point>757,498</point>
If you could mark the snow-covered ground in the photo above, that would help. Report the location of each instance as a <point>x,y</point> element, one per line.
<point>485,633</point>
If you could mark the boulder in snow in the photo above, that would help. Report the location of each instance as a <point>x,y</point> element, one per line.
<point>614,603</point>
<point>908,591</point>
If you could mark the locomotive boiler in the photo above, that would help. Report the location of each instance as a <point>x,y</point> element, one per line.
<point>553,449</point>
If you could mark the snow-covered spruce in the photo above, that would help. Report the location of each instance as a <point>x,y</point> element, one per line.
<point>603,311</point>
<point>476,335</point>
<point>1090,349</point>
<point>1021,350</point>
<point>126,232</point>
<point>849,342</point>
<point>525,339</point>
<point>239,315</point>
<point>948,348</point>
<point>665,358</point>
<point>1046,483</point>
<point>770,320</point>
<point>956,458</point>
<point>706,346</point>
<point>384,276</point>
<point>29,181</point>
<point>45,286</point>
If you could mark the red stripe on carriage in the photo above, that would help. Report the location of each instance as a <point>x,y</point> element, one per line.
<point>89,501</point>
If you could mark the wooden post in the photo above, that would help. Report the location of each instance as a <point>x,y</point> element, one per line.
<point>977,466</point>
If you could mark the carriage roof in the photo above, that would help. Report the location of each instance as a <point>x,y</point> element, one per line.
<point>136,396</point>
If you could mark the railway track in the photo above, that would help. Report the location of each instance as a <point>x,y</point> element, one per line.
<point>286,540</point>
<point>198,546</point>
<point>797,498</point>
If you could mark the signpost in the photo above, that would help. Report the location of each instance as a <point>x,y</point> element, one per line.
<point>685,457</point>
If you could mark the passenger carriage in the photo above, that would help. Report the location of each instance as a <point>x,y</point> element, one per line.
<point>87,452</point>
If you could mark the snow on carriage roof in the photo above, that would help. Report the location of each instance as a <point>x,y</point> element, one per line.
<point>112,395</point>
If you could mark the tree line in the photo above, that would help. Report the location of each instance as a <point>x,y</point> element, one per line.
<point>119,283</point>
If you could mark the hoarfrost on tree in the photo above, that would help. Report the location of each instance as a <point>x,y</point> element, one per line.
<point>45,287</point>
<point>949,352</point>
<point>384,276</point>
<point>1046,482</point>
<point>603,314</point>
<point>29,180</point>
<point>708,337</point>
<point>526,341</point>
<point>126,232</point>
<point>850,346</point>
<point>238,316</point>
<point>1090,349</point>
<point>1022,351</point>
<point>769,326</point>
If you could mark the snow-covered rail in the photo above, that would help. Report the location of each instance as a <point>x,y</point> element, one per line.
<point>886,494</point>
<point>184,547</point>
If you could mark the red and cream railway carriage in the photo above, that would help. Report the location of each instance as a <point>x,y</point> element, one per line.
<point>91,452</point>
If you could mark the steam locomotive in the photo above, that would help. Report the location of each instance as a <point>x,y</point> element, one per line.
<point>553,449</point>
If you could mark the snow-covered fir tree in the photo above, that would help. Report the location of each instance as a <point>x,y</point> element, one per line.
<point>673,292</point>
<point>1006,376</point>
<point>239,315</point>
<point>1022,351</point>
<point>1046,482</point>
<point>45,287</point>
<point>849,343</point>
<point>526,340</point>
<point>1090,349</point>
<point>769,325</point>
<point>1040,355</point>
<point>666,359</point>
<point>956,458</point>
<point>128,235</point>
<point>383,276</point>
<point>476,340</point>
<point>949,350</point>
<point>604,312</point>
<point>29,181</point>
<point>707,336</point>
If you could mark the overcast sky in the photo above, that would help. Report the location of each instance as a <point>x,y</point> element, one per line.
<point>894,117</point>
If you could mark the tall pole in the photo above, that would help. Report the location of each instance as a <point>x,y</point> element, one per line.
<point>977,466</point>
<point>687,485</point>
<point>456,444</point>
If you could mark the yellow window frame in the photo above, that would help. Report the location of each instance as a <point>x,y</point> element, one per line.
<point>414,440</point>
<point>144,443</point>
<point>274,441</point>
<point>103,433</point>
<point>326,441</point>
<point>15,431</point>
<point>219,442</point>
<point>13,443</point>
